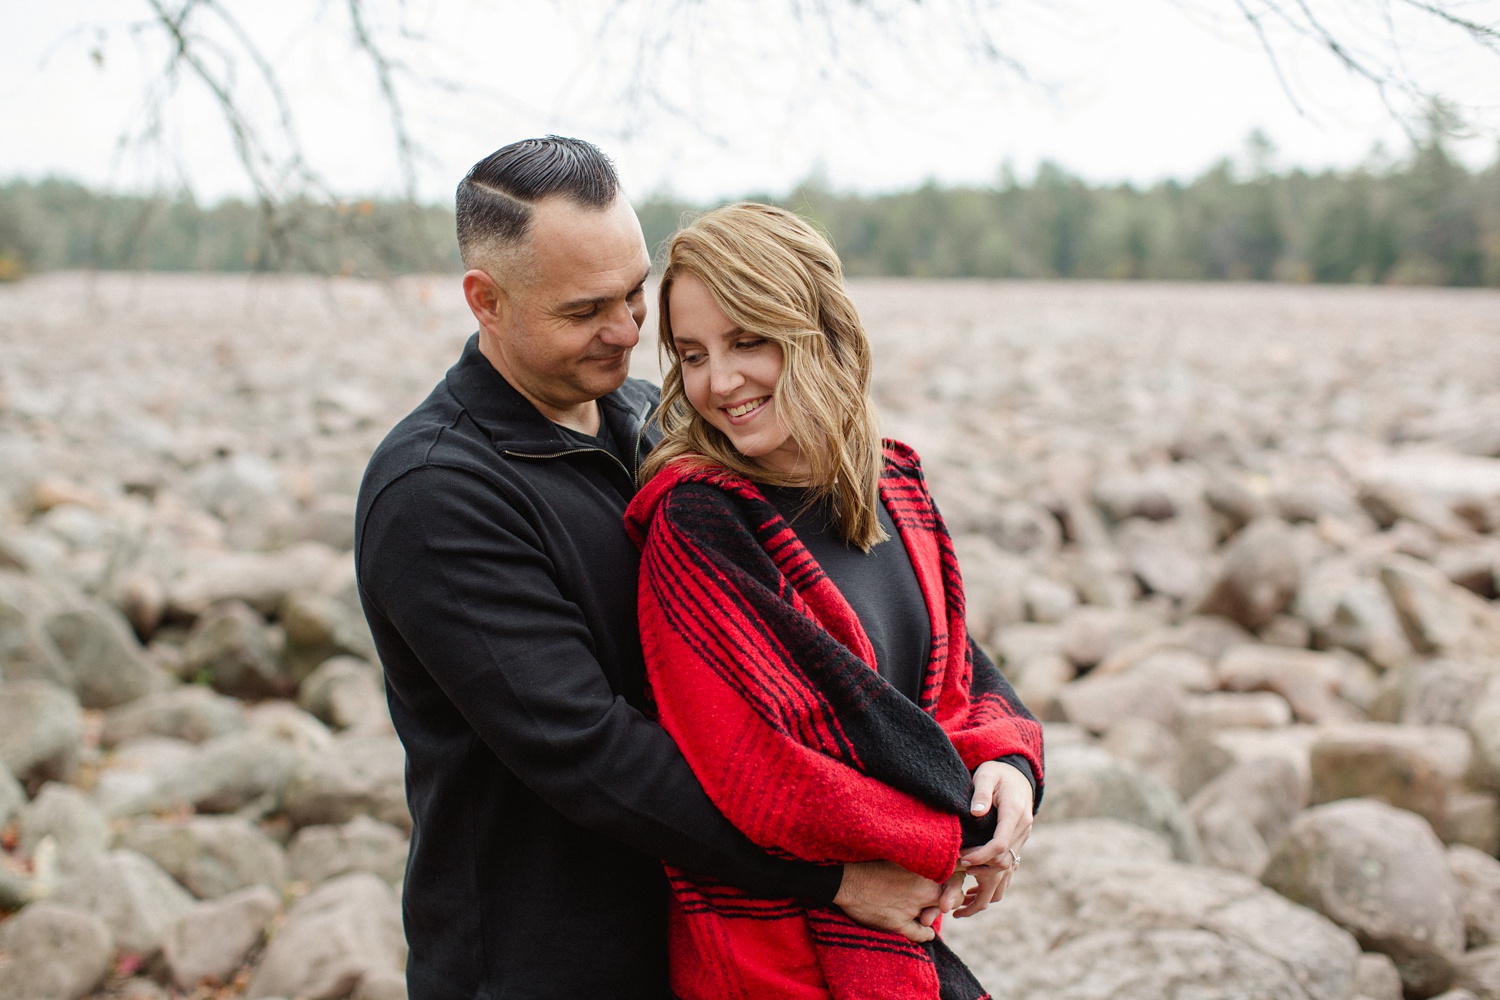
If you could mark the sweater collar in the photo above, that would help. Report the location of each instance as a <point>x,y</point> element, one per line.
<point>512,421</point>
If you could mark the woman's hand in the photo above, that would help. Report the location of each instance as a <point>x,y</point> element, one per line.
<point>999,786</point>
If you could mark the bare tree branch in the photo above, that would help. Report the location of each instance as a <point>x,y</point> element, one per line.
<point>385,72</point>
<point>842,48</point>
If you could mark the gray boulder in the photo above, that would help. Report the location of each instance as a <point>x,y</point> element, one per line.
<point>137,901</point>
<point>1100,912</point>
<point>1478,876</point>
<point>1228,709</point>
<point>191,712</point>
<point>27,652</point>
<point>213,939</point>
<point>76,825</point>
<point>1364,621</point>
<point>319,626</point>
<point>1377,978</point>
<point>1409,767</point>
<point>246,491</point>
<point>1246,810</point>
<point>1099,701</point>
<point>212,856</point>
<point>41,731</point>
<point>1435,692</point>
<point>1148,745</point>
<point>245,769</point>
<point>226,774</point>
<point>229,648</point>
<point>12,796</point>
<point>345,692</point>
<point>284,721</point>
<point>1048,599</point>
<point>1440,616</point>
<point>1347,607</point>
<point>260,579</point>
<point>53,952</point>
<point>1472,817</point>
<point>382,986</point>
<point>1479,973</point>
<point>333,939</point>
<point>1259,576</point>
<point>1484,728</point>
<point>1092,634</point>
<point>1309,681</point>
<point>319,853</point>
<point>1085,782</point>
<point>1166,557</point>
<point>1039,681</point>
<point>109,666</point>
<point>1208,753</point>
<point>358,775</point>
<point>1155,494</point>
<point>1382,874</point>
<point>140,776</point>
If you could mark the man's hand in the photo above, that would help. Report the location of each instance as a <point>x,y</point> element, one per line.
<point>1003,787</point>
<point>887,897</point>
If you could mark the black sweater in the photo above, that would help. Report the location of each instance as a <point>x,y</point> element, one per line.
<point>500,588</point>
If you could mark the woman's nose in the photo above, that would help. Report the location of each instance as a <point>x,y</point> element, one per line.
<point>724,377</point>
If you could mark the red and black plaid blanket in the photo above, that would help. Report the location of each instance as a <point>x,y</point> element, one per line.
<point>763,675</point>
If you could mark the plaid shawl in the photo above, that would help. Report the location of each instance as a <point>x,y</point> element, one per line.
<point>761,672</point>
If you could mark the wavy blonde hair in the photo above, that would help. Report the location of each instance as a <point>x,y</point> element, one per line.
<point>777,277</point>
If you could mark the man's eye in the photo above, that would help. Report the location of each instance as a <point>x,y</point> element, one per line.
<point>589,314</point>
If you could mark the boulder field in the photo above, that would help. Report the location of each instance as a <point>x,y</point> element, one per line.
<point>1237,546</point>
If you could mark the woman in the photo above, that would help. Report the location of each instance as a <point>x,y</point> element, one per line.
<point>803,622</point>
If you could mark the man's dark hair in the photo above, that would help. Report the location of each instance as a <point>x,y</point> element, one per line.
<point>495,198</point>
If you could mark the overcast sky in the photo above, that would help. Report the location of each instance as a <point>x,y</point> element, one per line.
<point>711,100</point>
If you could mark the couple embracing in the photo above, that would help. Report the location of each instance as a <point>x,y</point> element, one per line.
<point>688,702</point>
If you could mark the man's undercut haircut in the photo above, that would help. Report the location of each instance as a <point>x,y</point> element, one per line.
<point>495,199</point>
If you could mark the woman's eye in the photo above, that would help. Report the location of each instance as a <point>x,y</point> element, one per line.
<point>750,343</point>
<point>691,359</point>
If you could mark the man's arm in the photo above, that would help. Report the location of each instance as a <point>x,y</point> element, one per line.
<point>468,585</point>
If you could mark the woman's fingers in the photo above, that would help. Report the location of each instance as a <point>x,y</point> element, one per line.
<point>990,888</point>
<point>986,784</point>
<point>1012,796</point>
<point>994,878</point>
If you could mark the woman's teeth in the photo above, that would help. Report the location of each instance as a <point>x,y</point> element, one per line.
<point>744,408</point>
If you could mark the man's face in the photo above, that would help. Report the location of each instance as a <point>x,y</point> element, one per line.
<point>565,339</point>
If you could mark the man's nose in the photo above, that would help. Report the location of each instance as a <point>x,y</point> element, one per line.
<point>620,327</point>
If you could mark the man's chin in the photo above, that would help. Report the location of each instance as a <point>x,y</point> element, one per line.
<point>608,374</point>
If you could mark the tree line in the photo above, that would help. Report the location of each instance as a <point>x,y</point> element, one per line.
<point>1421,219</point>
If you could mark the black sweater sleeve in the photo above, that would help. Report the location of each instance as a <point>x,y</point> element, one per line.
<point>465,581</point>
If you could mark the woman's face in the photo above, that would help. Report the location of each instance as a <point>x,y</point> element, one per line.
<point>730,377</point>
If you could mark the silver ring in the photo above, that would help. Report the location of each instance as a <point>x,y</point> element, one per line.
<point>1015,859</point>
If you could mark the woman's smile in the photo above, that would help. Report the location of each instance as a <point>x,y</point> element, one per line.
<point>741,413</point>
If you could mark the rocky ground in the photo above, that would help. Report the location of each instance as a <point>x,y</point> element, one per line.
<point>1239,546</point>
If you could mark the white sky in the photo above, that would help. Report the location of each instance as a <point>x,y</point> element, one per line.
<point>711,100</point>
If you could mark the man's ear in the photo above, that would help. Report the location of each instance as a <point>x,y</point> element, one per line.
<point>489,302</point>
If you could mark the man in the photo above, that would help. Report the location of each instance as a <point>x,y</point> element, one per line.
<point>500,588</point>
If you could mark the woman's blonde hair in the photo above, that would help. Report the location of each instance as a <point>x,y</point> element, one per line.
<point>777,277</point>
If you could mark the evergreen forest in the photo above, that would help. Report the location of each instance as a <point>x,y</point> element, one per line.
<point>1424,218</point>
